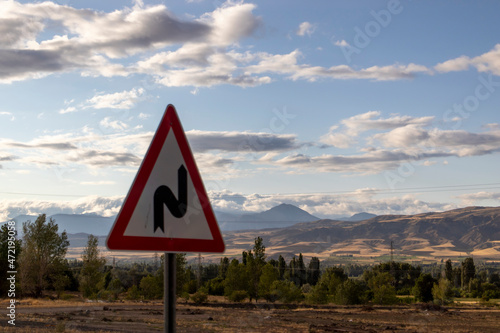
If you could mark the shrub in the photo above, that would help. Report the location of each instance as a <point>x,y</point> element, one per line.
<point>215,286</point>
<point>133,293</point>
<point>385,295</point>
<point>423,288</point>
<point>349,293</point>
<point>442,292</point>
<point>238,296</point>
<point>190,287</point>
<point>151,287</point>
<point>318,294</point>
<point>286,291</point>
<point>199,297</point>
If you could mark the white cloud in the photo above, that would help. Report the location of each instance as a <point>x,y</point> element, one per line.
<point>143,116</point>
<point>341,43</point>
<point>345,135</point>
<point>81,149</point>
<point>201,51</point>
<point>8,114</point>
<point>233,141</point>
<point>69,109</point>
<point>371,162</point>
<point>458,142</point>
<point>458,64</point>
<point>99,182</point>
<point>119,100</point>
<point>287,64</point>
<point>306,28</point>
<point>114,124</point>
<point>327,205</point>
<point>105,206</point>
<point>321,205</point>
<point>487,62</point>
<point>478,197</point>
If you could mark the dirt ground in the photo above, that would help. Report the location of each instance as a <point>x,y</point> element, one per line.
<point>246,317</point>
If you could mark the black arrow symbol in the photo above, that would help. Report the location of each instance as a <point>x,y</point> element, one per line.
<point>164,195</point>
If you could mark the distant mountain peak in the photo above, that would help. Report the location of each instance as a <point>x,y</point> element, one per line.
<point>281,213</point>
<point>285,206</point>
<point>362,216</point>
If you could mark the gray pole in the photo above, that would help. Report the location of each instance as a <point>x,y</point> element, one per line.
<point>169,292</point>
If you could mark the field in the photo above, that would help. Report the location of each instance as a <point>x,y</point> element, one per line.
<point>219,316</point>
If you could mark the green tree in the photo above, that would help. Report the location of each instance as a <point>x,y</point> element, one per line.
<point>224,264</point>
<point>151,287</point>
<point>181,273</point>
<point>468,272</point>
<point>457,277</point>
<point>281,267</point>
<point>286,291</point>
<point>313,271</point>
<point>382,287</point>
<point>448,270</point>
<point>350,292</point>
<point>259,251</point>
<point>133,293</point>
<point>326,288</point>
<point>268,276</point>
<point>301,270</point>
<point>236,278</point>
<point>92,269</point>
<point>495,279</point>
<point>255,260</point>
<point>115,287</point>
<point>423,288</point>
<point>442,291</point>
<point>293,272</point>
<point>42,256</point>
<point>10,248</point>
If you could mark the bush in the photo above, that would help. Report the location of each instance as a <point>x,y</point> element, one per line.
<point>385,295</point>
<point>105,295</point>
<point>238,296</point>
<point>199,297</point>
<point>349,293</point>
<point>133,293</point>
<point>306,289</point>
<point>151,287</point>
<point>318,294</point>
<point>442,292</point>
<point>190,287</point>
<point>423,288</point>
<point>286,291</point>
<point>215,286</point>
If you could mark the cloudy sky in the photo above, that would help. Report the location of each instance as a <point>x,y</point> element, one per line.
<point>338,107</point>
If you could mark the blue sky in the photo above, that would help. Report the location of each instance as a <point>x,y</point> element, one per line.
<point>338,107</point>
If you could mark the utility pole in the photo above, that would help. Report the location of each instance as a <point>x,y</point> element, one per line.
<point>392,252</point>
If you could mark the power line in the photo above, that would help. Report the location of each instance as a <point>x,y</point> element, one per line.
<point>443,188</point>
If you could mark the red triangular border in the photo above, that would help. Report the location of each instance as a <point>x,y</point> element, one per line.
<point>118,241</point>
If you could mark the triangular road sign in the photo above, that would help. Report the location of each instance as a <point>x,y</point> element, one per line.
<point>167,208</point>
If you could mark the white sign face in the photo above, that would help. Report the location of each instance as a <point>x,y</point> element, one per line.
<point>165,173</point>
<point>167,208</point>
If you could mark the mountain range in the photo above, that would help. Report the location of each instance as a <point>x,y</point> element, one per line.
<point>283,215</point>
<point>460,232</point>
<point>289,230</point>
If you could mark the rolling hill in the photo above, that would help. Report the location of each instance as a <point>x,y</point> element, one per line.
<point>460,232</point>
<point>451,234</point>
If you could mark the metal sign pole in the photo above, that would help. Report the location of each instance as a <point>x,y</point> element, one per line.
<point>169,275</point>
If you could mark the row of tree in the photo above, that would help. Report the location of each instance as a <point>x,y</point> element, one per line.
<point>42,266</point>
